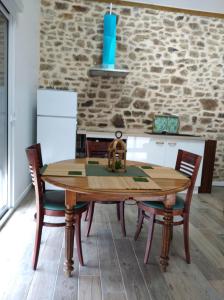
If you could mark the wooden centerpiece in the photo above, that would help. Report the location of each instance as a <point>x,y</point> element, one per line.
<point>117,154</point>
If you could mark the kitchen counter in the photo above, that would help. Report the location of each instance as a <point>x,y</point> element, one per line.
<point>110,134</point>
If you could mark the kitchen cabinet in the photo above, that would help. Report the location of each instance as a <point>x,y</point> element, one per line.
<point>162,150</point>
<point>138,148</point>
<point>172,147</point>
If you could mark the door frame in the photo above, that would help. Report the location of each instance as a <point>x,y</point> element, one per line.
<point>11,106</point>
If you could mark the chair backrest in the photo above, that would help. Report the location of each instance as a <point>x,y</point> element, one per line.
<point>97,148</point>
<point>33,156</point>
<point>37,147</point>
<point>188,163</point>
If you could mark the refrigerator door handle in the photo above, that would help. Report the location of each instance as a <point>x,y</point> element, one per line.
<point>54,116</point>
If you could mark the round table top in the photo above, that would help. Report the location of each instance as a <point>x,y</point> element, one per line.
<point>81,184</point>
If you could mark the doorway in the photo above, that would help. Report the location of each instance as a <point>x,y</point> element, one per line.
<point>4,28</point>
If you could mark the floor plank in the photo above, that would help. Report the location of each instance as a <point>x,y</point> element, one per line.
<point>66,288</point>
<point>90,251</point>
<point>110,275</point>
<point>45,276</point>
<point>187,282</point>
<point>89,288</point>
<point>203,261</point>
<point>16,273</point>
<point>155,281</point>
<point>219,286</point>
<point>134,281</point>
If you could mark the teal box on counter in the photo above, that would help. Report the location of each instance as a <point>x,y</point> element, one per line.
<point>166,124</point>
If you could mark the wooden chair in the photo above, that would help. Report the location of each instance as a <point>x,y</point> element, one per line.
<point>188,164</point>
<point>50,203</point>
<point>99,149</point>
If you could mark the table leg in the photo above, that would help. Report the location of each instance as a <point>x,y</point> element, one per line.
<point>70,201</point>
<point>167,229</point>
<point>69,241</point>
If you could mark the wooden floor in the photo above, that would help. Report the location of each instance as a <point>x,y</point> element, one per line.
<point>114,268</point>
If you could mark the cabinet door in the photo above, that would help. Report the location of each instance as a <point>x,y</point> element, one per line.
<point>172,147</point>
<point>137,148</point>
<point>156,151</point>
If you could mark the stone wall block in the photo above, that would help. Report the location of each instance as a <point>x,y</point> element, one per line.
<point>139,104</point>
<point>61,6</point>
<point>118,121</point>
<point>209,104</point>
<point>124,102</point>
<point>87,103</point>
<point>177,80</point>
<point>139,92</point>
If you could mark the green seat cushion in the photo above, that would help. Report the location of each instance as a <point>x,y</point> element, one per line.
<point>159,205</point>
<point>55,200</point>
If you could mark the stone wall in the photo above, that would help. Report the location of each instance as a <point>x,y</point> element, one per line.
<point>176,64</point>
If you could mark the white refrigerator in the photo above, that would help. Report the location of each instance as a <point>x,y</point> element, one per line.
<point>56,124</point>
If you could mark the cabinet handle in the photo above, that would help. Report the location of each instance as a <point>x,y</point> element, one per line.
<point>159,143</point>
<point>172,144</point>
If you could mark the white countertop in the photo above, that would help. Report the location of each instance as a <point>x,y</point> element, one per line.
<point>126,134</point>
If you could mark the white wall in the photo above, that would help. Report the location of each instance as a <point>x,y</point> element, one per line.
<point>13,6</point>
<point>25,73</point>
<point>203,5</point>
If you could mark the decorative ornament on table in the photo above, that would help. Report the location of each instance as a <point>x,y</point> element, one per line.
<point>117,154</point>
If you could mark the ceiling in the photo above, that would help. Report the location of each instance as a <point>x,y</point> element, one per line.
<point>216,6</point>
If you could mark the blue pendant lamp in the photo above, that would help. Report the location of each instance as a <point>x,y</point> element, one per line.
<point>109,39</point>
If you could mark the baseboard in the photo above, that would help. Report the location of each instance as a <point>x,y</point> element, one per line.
<point>23,195</point>
<point>11,210</point>
<point>6,217</point>
<point>218,183</point>
<point>195,191</point>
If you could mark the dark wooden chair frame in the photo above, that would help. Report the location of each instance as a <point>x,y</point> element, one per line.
<point>98,149</point>
<point>187,163</point>
<point>35,163</point>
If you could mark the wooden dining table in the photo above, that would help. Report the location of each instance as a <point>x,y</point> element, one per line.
<point>72,176</point>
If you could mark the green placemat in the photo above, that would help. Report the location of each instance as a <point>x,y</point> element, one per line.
<point>140,179</point>
<point>74,173</point>
<point>99,170</point>
<point>93,162</point>
<point>146,167</point>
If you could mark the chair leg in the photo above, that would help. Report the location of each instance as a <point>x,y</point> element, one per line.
<point>90,217</point>
<point>39,226</point>
<point>121,206</point>
<point>86,215</point>
<point>78,238</point>
<point>149,238</point>
<point>171,233</point>
<point>186,239</point>
<point>139,211</point>
<point>140,223</point>
<point>118,211</point>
